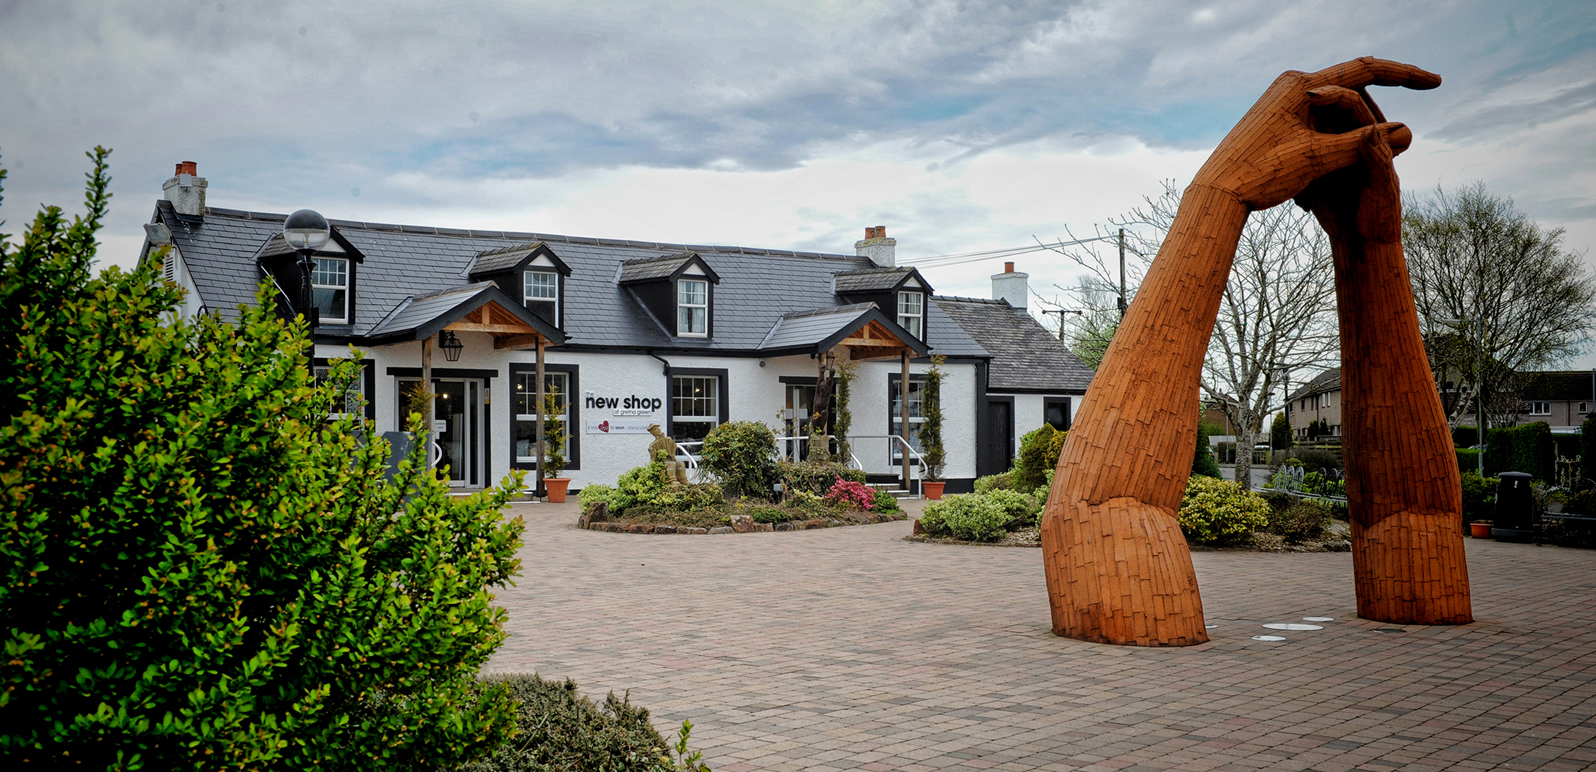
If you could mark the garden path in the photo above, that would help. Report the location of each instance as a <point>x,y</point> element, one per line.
<point>848,648</point>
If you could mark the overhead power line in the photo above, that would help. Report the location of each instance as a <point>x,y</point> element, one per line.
<point>938,261</point>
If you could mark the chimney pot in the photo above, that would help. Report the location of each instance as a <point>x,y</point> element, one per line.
<point>876,246</point>
<point>1008,267</point>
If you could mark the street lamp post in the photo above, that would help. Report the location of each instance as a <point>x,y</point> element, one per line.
<point>306,231</point>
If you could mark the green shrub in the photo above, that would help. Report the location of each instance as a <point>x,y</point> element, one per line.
<point>930,432</point>
<point>200,571</point>
<point>1280,433</point>
<point>1033,462</point>
<point>689,498</point>
<point>886,502</point>
<point>816,477</point>
<point>764,513</point>
<point>642,484</point>
<point>1021,508</point>
<point>1479,496</point>
<point>562,730</point>
<point>741,456</point>
<point>1300,521</point>
<point>1317,459</point>
<point>965,516</point>
<point>1582,503</point>
<point>1220,512</point>
<point>1526,448</point>
<point>1587,447</point>
<point>1004,482</point>
<point>1468,460</point>
<point>593,494</point>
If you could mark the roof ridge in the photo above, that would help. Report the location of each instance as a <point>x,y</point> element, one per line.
<point>533,236</point>
<point>964,299</point>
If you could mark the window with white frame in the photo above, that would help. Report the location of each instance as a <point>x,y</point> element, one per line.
<point>911,313</point>
<point>1584,407</point>
<point>555,386</point>
<point>692,307</point>
<point>329,287</point>
<point>542,287</point>
<point>354,399</point>
<point>916,413</point>
<point>695,406</point>
<point>1540,408</point>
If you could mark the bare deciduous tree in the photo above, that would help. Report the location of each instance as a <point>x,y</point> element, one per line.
<point>1277,315</point>
<point>1486,275</point>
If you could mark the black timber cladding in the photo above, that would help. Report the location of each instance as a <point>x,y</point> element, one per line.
<point>401,262</point>
<point>1025,358</point>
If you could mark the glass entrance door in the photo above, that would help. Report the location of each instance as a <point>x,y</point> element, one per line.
<point>800,400</point>
<point>456,427</point>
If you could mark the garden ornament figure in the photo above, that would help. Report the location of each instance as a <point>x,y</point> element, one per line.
<point>1118,569</point>
<point>675,471</point>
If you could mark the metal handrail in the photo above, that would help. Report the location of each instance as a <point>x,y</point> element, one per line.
<point>913,455</point>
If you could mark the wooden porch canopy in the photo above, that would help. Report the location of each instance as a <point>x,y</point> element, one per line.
<point>861,328</point>
<point>480,307</point>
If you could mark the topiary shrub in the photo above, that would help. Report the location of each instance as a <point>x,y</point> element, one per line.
<point>1033,462</point>
<point>200,571</point>
<point>965,516</point>
<point>1202,461</point>
<point>1219,512</point>
<point>1300,521</point>
<point>741,455</point>
<point>815,477</point>
<point>562,730</point>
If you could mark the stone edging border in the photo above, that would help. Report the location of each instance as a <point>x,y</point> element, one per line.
<point>957,543</point>
<point>745,527</point>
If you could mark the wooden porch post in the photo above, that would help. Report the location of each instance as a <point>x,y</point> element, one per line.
<point>903,398</point>
<point>427,410</point>
<point>538,392</point>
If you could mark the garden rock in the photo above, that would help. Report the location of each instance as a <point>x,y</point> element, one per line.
<point>598,513</point>
<point>721,529</point>
<point>742,523</point>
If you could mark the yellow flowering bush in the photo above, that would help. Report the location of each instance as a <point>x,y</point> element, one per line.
<point>1215,511</point>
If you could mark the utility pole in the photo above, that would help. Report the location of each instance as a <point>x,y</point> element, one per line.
<point>1061,312</point>
<point>1122,303</point>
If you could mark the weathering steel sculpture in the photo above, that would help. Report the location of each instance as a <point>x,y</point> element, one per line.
<point>1118,568</point>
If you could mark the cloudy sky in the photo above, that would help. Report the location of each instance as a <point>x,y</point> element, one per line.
<point>960,125</point>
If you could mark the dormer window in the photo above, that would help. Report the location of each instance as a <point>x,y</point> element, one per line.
<point>541,292</point>
<point>329,285</point>
<point>911,313</point>
<point>692,307</point>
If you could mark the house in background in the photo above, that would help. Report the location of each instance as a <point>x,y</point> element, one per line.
<point>1318,399</point>
<point>1560,398</point>
<point>630,334</point>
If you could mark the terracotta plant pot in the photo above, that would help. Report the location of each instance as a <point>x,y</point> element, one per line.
<point>556,487</point>
<point>1480,530</point>
<point>933,490</point>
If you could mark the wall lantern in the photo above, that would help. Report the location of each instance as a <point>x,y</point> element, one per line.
<point>451,346</point>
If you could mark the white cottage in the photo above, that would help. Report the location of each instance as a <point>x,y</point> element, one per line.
<point>632,334</point>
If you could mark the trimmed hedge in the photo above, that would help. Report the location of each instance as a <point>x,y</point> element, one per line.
<point>1526,448</point>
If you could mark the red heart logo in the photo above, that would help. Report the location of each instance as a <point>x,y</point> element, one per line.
<point>604,427</point>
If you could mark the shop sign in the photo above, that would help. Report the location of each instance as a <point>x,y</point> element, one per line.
<point>631,405</point>
<point>618,426</point>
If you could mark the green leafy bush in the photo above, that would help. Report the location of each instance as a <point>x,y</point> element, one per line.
<point>1582,503</point>
<point>642,484</point>
<point>816,477</point>
<point>741,456</point>
<point>562,730</point>
<point>593,494</point>
<point>1202,461</point>
<point>930,433</point>
<point>1300,521</point>
<point>991,482</point>
<point>1479,496</point>
<point>768,514</point>
<point>965,516</point>
<point>200,570</point>
<point>1035,458</point>
<point>886,502</point>
<point>1317,459</point>
<point>1021,508</point>
<point>689,498</point>
<point>1219,512</point>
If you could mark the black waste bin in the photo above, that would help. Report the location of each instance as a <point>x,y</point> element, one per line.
<point>1515,508</point>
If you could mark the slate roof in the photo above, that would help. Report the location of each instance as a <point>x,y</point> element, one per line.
<point>1328,380</point>
<point>403,262</point>
<point>872,280</point>
<point>503,258</point>
<point>1025,357</point>
<point>820,329</point>
<point>1559,385</point>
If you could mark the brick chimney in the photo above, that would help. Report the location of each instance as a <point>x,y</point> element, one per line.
<point>1011,285</point>
<point>186,190</point>
<point>876,246</point>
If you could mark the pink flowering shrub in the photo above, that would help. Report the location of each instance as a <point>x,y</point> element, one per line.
<point>848,494</point>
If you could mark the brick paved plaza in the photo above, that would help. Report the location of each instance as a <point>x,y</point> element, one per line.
<point>849,648</point>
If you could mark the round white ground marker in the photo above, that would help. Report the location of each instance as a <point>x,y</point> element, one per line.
<point>1292,626</point>
<point>1267,638</point>
<point>1318,619</point>
<point>1209,627</point>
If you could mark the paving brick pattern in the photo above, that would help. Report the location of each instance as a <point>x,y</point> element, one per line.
<point>848,648</point>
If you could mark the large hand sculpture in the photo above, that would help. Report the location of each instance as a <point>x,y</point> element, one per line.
<point>1118,569</point>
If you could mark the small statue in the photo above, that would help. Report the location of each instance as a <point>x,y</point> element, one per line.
<point>675,471</point>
